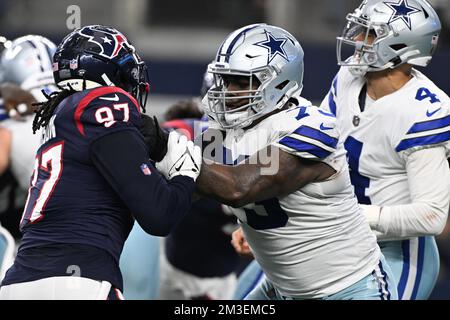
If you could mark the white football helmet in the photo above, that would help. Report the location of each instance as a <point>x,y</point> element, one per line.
<point>27,62</point>
<point>266,52</point>
<point>404,31</point>
<point>4,43</point>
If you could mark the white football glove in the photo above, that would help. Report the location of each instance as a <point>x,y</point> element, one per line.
<point>182,158</point>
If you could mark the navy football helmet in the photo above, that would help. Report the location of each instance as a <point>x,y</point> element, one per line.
<point>96,55</point>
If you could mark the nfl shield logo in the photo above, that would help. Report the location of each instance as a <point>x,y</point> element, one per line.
<point>73,64</point>
<point>145,169</point>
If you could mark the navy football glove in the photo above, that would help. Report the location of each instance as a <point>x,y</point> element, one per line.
<point>155,137</point>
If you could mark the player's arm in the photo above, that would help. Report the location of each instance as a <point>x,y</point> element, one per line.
<point>426,214</point>
<point>122,159</point>
<point>5,149</point>
<point>256,180</point>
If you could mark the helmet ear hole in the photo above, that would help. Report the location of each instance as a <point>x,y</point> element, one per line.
<point>282,85</point>
<point>398,47</point>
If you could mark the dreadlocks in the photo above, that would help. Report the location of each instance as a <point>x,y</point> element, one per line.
<point>44,110</point>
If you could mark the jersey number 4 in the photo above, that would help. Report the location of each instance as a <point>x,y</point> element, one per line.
<point>360,182</point>
<point>424,93</point>
<point>47,171</point>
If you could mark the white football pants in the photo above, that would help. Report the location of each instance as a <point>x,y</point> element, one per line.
<point>57,288</point>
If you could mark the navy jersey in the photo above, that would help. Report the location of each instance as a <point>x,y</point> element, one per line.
<point>70,202</point>
<point>206,219</point>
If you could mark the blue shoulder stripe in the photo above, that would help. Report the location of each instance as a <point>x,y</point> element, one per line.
<point>331,103</point>
<point>317,135</point>
<point>303,146</point>
<point>430,125</point>
<point>335,85</point>
<point>422,141</point>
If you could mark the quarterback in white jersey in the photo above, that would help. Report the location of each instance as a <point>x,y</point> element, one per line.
<point>283,169</point>
<point>396,125</point>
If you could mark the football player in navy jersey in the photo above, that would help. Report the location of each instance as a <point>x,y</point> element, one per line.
<point>93,175</point>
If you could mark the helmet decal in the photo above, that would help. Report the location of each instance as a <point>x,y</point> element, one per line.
<point>109,43</point>
<point>402,11</point>
<point>274,45</point>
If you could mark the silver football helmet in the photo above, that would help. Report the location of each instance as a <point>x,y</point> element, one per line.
<point>266,52</point>
<point>27,62</point>
<point>385,34</point>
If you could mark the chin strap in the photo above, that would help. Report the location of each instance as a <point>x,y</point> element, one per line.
<point>78,84</point>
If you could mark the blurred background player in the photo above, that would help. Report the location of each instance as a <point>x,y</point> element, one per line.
<point>92,174</point>
<point>4,43</point>
<point>25,70</point>
<point>198,261</point>
<point>258,74</point>
<point>139,263</point>
<point>396,125</point>
<point>6,186</point>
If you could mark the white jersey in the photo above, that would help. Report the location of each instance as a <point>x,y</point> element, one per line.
<point>380,139</point>
<point>313,242</point>
<point>23,149</point>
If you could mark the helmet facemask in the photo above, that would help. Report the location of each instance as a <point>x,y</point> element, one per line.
<point>220,99</point>
<point>272,93</point>
<point>135,76</point>
<point>269,60</point>
<point>357,47</point>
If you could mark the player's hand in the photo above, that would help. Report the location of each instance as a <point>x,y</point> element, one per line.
<point>17,101</point>
<point>182,158</point>
<point>155,137</point>
<point>240,244</point>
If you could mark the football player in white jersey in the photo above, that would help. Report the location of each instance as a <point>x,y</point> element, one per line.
<point>26,69</point>
<point>396,125</point>
<point>283,170</point>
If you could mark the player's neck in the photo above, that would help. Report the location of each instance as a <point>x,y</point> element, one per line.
<point>383,83</point>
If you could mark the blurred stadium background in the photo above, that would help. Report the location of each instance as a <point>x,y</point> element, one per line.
<point>178,38</point>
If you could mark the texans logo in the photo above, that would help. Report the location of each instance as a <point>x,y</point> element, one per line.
<point>109,43</point>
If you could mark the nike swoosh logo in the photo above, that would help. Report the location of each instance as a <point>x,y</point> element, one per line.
<point>430,114</point>
<point>179,167</point>
<point>115,98</point>
<point>322,127</point>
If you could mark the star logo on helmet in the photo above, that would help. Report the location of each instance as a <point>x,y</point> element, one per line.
<point>274,45</point>
<point>402,11</point>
